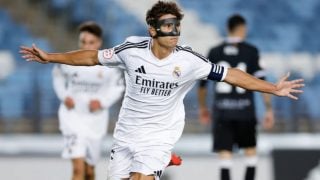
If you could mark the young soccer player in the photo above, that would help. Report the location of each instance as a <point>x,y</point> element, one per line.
<point>234,117</point>
<point>86,94</point>
<point>158,75</point>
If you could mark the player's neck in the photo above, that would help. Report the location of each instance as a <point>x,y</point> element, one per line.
<point>236,35</point>
<point>159,51</point>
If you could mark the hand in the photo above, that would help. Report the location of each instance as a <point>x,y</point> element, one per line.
<point>34,54</point>
<point>69,103</point>
<point>204,116</point>
<point>95,105</point>
<point>285,88</point>
<point>268,120</point>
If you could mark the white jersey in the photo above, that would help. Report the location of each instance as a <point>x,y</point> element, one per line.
<point>152,111</point>
<point>84,84</point>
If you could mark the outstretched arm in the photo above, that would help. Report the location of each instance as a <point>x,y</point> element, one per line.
<point>75,58</point>
<point>282,88</point>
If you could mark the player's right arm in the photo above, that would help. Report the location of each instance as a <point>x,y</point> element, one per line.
<point>283,87</point>
<point>204,115</point>
<point>75,58</point>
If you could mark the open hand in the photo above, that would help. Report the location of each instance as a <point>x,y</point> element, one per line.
<point>33,54</point>
<point>285,88</point>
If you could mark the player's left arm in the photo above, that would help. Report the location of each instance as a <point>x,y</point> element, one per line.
<point>268,121</point>
<point>283,87</point>
<point>59,83</point>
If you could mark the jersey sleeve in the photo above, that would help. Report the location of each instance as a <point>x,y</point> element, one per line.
<point>113,57</point>
<point>116,56</point>
<point>109,57</point>
<point>207,70</point>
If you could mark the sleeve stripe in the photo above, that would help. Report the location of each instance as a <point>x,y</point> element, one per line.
<point>117,50</point>
<point>130,44</point>
<point>217,73</point>
<point>214,68</point>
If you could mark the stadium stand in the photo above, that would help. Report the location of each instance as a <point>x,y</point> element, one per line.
<point>276,26</point>
<point>17,89</point>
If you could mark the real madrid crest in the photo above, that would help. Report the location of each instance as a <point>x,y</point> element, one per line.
<point>176,72</point>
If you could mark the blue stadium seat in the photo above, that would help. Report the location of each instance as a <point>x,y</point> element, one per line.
<point>11,103</point>
<point>17,91</point>
<point>294,21</point>
<point>310,104</point>
<point>48,100</point>
<point>13,94</point>
<point>59,5</point>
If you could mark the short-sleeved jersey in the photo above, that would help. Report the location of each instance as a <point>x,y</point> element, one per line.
<point>152,110</point>
<point>232,102</point>
<point>84,84</point>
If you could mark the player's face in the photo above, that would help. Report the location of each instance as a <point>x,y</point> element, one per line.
<point>242,30</point>
<point>89,41</point>
<point>168,27</point>
<point>168,41</point>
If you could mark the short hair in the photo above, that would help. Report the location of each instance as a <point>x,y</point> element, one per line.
<point>234,21</point>
<point>92,28</point>
<point>161,8</point>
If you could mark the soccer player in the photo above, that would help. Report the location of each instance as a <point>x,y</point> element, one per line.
<point>158,75</point>
<point>234,118</point>
<point>86,94</point>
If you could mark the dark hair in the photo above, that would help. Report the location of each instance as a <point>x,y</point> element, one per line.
<point>234,21</point>
<point>91,27</point>
<point>161,8</point>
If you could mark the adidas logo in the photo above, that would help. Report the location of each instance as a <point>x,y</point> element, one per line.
<point>141,70</point>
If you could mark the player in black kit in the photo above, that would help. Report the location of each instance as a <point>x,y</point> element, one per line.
<point>233,109</point>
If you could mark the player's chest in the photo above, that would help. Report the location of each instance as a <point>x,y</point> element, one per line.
<point>170,70</point>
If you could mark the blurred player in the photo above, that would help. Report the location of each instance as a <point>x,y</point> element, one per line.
<point>158,74</point>
<point>86,94</point>
<point>234,118</point>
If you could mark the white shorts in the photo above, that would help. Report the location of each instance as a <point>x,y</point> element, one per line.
<point>76,146</point>
<point>148,160</point>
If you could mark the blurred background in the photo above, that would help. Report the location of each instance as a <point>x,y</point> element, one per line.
<point>286,33</point>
